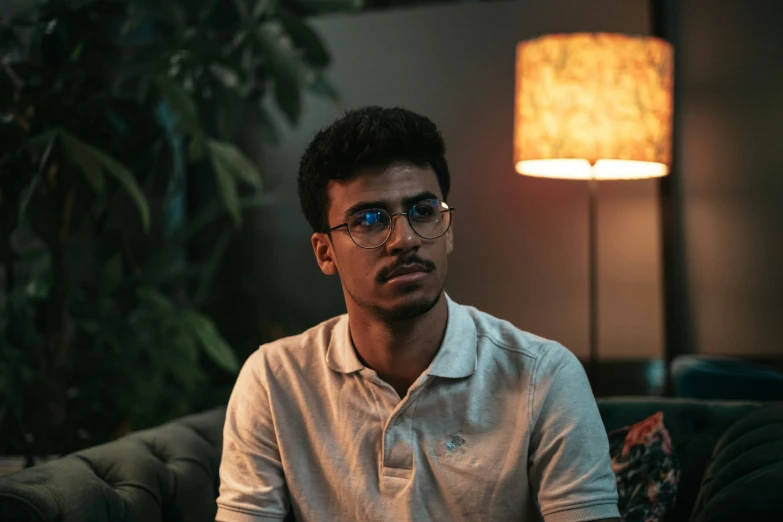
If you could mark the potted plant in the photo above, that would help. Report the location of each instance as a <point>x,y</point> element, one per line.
<point>111,111</point>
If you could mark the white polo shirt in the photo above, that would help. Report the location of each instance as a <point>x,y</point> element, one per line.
<point>501,426</point>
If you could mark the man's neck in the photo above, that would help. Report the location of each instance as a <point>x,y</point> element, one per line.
<point>399,351</point>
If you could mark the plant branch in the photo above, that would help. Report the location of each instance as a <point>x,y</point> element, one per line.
<point>28,194</point>
<point>59,333</point>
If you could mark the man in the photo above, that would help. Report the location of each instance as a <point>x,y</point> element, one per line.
<point>410,407</point>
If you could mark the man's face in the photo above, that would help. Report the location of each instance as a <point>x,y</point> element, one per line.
<point>366,274</point>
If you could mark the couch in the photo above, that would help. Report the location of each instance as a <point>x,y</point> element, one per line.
<point>731,456</point>
<point>714,377</point>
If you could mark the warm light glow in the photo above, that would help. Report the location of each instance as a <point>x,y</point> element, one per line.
<point>581,169</point>
<point>593,105</point>
<point>556,168</point>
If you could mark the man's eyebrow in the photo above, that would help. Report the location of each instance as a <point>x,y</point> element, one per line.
<point>363,205</point>
<point>406,202</point>
<point>410,201</point>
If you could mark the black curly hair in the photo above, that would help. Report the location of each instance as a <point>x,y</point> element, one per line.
<point>368,137</point>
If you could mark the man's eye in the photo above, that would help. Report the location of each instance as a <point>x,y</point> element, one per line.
<point>422,211</point>
<point>367,219</point>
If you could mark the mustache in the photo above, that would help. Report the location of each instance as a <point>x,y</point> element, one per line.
<point>383,274</point>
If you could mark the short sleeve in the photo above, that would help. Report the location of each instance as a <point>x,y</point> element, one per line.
<point>252,483</point>
<point>569,466</point>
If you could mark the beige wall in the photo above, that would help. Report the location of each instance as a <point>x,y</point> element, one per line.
<point>732,158</point>
<point>455,63</point>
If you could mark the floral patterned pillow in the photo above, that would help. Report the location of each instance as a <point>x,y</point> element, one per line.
<point>646,468</point>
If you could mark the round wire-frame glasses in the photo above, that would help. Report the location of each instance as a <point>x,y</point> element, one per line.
<point>371,228</point>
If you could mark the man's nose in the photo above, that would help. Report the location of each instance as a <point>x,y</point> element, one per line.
<point>402,237</point>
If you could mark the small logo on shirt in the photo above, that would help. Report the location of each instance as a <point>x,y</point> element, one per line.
<point>454,450</point>
<point>456,443</point>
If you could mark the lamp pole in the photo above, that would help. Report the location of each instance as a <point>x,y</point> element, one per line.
<point>592,220</point>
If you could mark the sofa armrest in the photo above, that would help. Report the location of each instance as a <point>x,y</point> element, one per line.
<point>744,478</point>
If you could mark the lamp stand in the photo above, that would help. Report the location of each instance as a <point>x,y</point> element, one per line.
<point>592,220</point>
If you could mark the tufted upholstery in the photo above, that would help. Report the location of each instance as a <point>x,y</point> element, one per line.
<point>744,479</point>
<point>170,473</point>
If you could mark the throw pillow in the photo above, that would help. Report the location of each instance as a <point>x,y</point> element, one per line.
<point>646,468</point>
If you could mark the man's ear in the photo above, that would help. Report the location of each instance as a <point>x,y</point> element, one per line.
<point>324,253</point>
<point>450,238</point>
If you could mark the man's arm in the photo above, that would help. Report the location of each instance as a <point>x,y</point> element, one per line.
<point>252,483</point>
<point>569,465</point>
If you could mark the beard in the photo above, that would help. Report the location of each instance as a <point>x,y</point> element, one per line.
<point>403,312</point>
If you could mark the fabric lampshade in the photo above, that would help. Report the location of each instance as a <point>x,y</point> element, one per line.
<point>593,105</point>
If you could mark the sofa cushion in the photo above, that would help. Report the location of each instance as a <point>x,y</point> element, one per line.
<point>747,464</point>
<point>647,469</point>
<point>694,426</point>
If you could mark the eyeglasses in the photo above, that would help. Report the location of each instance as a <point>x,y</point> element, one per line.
<point>371,228</point>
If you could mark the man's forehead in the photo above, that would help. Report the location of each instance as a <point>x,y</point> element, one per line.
<point>392,185</point>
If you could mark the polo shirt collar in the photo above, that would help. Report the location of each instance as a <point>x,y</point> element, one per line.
<point>456,357</point>
<point>341,356</point>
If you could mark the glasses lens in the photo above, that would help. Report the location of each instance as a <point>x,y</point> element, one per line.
<point>369,228</point>
<point>430,218</point>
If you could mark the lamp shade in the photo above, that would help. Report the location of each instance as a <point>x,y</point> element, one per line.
<point>593,105</point>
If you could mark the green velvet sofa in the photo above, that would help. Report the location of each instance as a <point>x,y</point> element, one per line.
<point>731,457</point>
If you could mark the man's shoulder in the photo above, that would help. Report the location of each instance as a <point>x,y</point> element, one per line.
<point>506,335</point>
<point>500,334</point>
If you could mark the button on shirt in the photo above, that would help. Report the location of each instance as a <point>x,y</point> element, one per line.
<point>501,426</point>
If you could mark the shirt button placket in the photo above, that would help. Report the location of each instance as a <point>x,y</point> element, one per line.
<point>398,452</point>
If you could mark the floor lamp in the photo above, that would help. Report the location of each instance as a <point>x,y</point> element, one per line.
<point>593,106</point>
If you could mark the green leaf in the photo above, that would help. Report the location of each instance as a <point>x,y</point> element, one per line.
<point>288,73</point>
<point>43,144</point>
<point>128,182</point>
<point>39,143</point>
<point>211,341</point>
<point>227,187</point>
<point>260,8</point>
<point>322,86</point>
<point>77,52</point>
<point>331,6</point>
<point>197,148</point>
<point>235,160</point>
<point>288,95</point>
<point>81,157</point>
<point>185,346</point>
<point>185,368</point>
<point>154,298</point>
<point>304,37</point>
<point>93,161</point>
<point>181,103</point>
<point>241,9</point>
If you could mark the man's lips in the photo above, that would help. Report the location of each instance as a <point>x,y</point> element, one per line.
<point>412,272</point>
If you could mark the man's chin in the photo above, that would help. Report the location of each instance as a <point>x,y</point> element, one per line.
<point>408,307</point>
